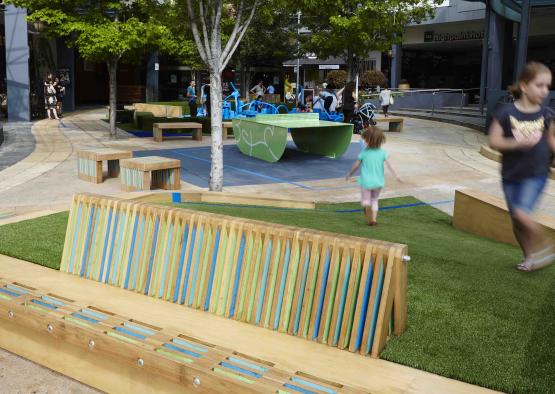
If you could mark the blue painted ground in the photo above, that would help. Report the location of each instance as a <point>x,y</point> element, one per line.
<point>294,167</point>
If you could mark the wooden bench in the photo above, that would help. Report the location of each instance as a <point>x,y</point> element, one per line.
<point>89,163</point>
<point>395,122</point>
<point>485,215</point>
<point>143,173</point>
<point>158,128</point>
<point>226,126</point>
<point>343,291</point>
<point>120,353</point>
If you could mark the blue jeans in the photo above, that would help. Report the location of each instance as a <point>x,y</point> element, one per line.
<point>524,194</point>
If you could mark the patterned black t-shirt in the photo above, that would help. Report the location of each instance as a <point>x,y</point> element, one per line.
<point>521,164</point>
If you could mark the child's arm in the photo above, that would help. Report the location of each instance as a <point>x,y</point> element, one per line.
<point>388,163</point>
<point>355,167</point>
<point>500,143</point>
<point>551,136</point>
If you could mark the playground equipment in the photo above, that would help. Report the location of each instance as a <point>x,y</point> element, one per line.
<point>265,136</point>
<point>364,117</point>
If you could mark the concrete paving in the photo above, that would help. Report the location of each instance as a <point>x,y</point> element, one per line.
<point>433,159</point>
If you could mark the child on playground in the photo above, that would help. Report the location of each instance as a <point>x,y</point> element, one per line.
<point>524,132</point>
<point>372,179</point>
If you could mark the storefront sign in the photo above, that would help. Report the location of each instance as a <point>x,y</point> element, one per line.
<point>430,36</point>
<point>328,67</point>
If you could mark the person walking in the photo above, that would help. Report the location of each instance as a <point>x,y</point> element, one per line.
<point>371,162</point>
<point>385,100</point>
<point>50,92</point>
<point>524,132</point>
<point>192,98</point>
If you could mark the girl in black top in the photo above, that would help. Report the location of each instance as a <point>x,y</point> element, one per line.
<point>50,97</point>
<point>524,132</point>
<point>348,102</point>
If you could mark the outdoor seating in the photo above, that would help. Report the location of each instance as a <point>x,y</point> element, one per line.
<point>144,173</point>
<point>395,123</point>
<point>158,129</point>
<point>89,163</point>
<point>343,291</point>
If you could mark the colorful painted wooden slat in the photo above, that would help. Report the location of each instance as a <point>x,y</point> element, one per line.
<point>321,286</point>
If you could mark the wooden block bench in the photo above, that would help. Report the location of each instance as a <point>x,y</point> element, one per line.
<point>122,354</point>
<point>143,173</point>
<point>395,122</point>
<point>226,127</point>
<point>485,215</point>
<point>158,128</point>
<point>343,291</point>
<point>89,163</point>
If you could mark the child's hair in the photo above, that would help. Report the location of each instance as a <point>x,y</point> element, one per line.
<point>527,75</point>
<point>373,137</point>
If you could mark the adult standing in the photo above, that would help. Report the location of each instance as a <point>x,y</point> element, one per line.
<point>50,96</point>
<point>327,98</point>
<point>348,102</point>
<point>192,98</point>
<point>259,90</point>
<point>385,100</point>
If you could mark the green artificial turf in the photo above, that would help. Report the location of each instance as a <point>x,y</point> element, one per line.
<point>472,316</point>
<point>38,240</point>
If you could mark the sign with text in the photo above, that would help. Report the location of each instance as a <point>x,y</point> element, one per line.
<point>328,67</point>
<point>430,36</point>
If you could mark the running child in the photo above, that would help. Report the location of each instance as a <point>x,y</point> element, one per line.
<point>524,132</point>
<point>372,178</point>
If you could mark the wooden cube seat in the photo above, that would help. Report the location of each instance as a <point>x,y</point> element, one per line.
<point>158,128</point>
<point>395,122</point>
<point>143,173</point>
<point>89,163</point>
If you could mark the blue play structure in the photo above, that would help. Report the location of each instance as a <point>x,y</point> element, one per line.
<point>233,107</point>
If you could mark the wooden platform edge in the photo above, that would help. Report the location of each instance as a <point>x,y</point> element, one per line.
<point>485,215</point>
<point>226,198</point>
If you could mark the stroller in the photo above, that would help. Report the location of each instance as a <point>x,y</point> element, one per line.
<point>363,117</point>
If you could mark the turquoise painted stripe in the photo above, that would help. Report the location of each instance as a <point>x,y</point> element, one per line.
<point>181,350</point>
<point>111,248</point>
<point>152,253</point>
<point>375,309</point>
<point>212,270</point>
<point>138,254</point>
<point>343,299</point>
<point>264,279</point>
<point>8,292</point>
<point>362,318</point>
<point>116,265</point>
<point>52,301</point>
<point>181,262</point>
<point>105,248</point>
<point>165,264</point>
<point>237,275</point>
<point>143,330</point>
<point>284,273</point>
<point>241,370</point>
<point>301,292</point>
<point>45,304</point>
<point>17,289</point>
<point>322,295</point>
<point>197,348</point>
<point>97,315</point>
<point>130,333</point>
<point>247,364</point>
<point>83,317</point>
<point>131,252</point>
<point>75,237</point>
<point>195,268</point>
<point>87,242</point>
<point>189,259</point>
<point>313,385</point>
<point>93,245</point>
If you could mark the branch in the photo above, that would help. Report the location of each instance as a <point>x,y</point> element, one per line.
<point>227,55</point>
<point>235,31</point>
<point>196,35</point>
<point>202,18</point>
<point>217,17</point>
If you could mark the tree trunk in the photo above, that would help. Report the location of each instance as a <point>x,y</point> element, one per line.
<point>217,162</point>
<point>349,65</point>
<point>112,72</point>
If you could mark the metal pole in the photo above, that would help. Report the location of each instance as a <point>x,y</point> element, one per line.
<point>484,70</point>
<point>298,55</point>
<point>522,42</point>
